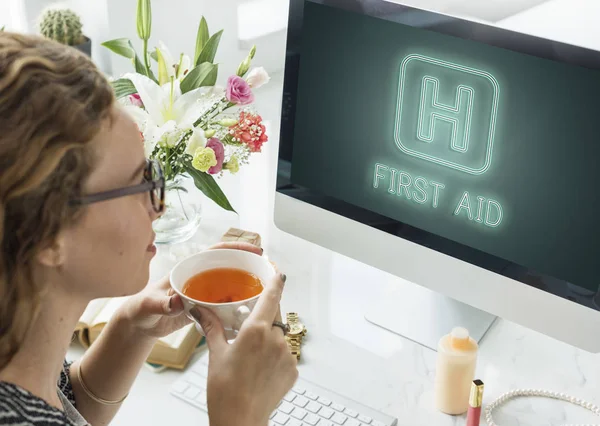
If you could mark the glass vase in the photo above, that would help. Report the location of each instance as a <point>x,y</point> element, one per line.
<point>183,212</point>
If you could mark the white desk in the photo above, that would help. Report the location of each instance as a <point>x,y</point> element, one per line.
<point>344,352</point>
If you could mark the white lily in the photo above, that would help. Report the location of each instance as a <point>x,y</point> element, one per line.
<point>167,110</point>
<point>167,67</point>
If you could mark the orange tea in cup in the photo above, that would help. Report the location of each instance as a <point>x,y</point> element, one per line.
<point>222,285</point>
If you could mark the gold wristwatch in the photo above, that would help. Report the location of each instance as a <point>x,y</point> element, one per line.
<point>296,333</point>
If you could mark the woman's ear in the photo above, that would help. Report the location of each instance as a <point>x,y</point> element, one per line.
<point>53,255</point>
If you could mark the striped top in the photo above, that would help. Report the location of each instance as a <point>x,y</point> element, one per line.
<point>19,407</point>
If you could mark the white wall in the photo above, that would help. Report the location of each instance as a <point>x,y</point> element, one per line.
<point>176,24</point>
<point>93,13</point>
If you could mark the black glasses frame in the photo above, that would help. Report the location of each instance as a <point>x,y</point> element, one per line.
<point>152,184</point>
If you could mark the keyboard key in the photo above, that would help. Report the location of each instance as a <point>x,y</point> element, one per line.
<point>311,395</point>
<point>299,390</point>
<point>273,414</point>
<point>201,398</point>
<point>300,401</point>
<point>352,422</point>
<point>338,407</point>
<point>350,413</point>
<point>338,418</point>
<point>326,413</point>
<point>180,387</point>
<point>195,379</point>
<point>286,407</point>
<point>289,397</point>
<point>324,401</point>
<point>294,422</point>
<point>311,419</point>
<point>299,413</point>
<point>324,422</point>
<point>281,418</point>
<point>192,392</point>
<point>365,419</point>
<point>376,423</point>
<point>201,369</point>
<point>313,407</point>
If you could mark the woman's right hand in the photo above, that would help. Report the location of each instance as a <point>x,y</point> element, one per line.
<point>248,378</point>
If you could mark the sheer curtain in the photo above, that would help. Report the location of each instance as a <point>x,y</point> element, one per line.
<point>12,15</point>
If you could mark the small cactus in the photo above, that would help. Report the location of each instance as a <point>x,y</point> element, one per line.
<point>63,26</point>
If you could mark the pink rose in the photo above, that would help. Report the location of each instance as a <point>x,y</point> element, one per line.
<point>136,100</point>
<point>238,91</point>
<point>216,145</point>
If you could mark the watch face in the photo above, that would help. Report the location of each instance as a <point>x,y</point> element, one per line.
<point>296,329</point>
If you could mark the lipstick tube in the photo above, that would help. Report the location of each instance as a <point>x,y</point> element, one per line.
<point>475,403</point>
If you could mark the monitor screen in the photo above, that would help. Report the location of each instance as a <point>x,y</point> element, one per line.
<point>471,140</point>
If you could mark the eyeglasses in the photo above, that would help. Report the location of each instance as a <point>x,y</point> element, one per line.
<point>154,184</point>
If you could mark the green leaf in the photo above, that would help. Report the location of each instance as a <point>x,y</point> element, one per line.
<point>201,76</point>
<point>177,188</point>
<point>154,56</point>
<point>206,183</point>
<point>140,68</point>
<point>2,29</point>
<point>121,46</point>
<point>210,49</point>
<point>211,79</point>
<point>123,87</point>
<point>201,38</point>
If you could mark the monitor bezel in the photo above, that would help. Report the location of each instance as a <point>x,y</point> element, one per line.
<point>465,29</point>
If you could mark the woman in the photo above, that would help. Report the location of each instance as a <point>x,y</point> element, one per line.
<point>63,141</point>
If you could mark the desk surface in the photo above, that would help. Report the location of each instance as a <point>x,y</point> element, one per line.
<point>346,353</point>
<point>366,363</point>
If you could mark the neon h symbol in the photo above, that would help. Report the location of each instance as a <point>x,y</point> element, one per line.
<point>458,115</point>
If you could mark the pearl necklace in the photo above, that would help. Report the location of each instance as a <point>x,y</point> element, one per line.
<point>538,392</point>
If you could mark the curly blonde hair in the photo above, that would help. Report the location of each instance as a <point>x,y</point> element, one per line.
<point>53,101</point>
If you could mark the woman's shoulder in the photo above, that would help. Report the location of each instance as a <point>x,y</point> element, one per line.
<point>20,407</point>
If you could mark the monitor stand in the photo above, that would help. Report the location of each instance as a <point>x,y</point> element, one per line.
<point>425,316</point>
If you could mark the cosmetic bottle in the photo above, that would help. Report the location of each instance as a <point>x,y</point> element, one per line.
<point>455,371</point>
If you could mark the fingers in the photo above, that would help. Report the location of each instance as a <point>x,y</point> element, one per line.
<point>238,245</point>
<point>267,305</point>
<point>159,304</point>
<point>212,327</point>
<point>175,305</point>
<point>164,283</point>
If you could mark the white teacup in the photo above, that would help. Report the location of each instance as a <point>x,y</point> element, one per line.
<point>233,314</point>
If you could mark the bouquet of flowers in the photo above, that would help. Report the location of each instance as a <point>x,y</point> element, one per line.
<point>189,124</point>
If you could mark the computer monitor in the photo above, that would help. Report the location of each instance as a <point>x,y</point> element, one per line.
<point>456,155</point>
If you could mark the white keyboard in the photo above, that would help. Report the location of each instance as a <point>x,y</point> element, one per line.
<point>307,404</point>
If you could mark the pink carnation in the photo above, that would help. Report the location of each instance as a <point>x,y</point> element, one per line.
<point>136,100</point>
<point>216,145</point>
<point>238,91</point>
<point>250,130</point>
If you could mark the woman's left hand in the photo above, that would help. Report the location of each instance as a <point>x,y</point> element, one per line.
<point>157,311</point>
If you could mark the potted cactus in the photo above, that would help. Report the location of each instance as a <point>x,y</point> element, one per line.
<point>64,26</point>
